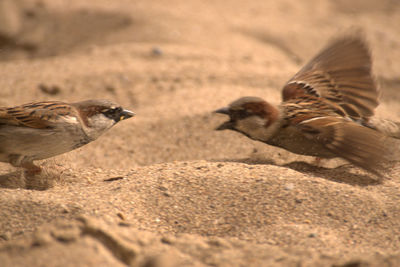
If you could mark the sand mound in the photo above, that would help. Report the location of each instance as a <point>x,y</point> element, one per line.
<point>164,188</point>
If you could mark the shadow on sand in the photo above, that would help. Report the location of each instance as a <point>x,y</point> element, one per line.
<point>343,174</point>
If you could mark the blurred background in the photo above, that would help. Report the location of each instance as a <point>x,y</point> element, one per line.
<point>174,62</point>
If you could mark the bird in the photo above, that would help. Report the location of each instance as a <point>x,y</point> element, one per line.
<point>327,109</point>
<point>40,130</point>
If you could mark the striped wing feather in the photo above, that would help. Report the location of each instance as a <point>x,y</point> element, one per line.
<point>39,115</point>
<point>340,73</point>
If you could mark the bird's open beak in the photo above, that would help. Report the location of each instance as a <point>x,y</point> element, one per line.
<point>224,110</point>
<point>228,125</point>
<point>126,114</point>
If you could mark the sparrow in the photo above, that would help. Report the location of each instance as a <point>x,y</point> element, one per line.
<point>41,130</point>
<point>327,109</point>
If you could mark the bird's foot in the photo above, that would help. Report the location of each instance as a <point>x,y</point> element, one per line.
<point>31,169</point>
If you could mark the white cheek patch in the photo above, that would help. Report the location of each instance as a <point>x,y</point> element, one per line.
<point>254,127</point>
<point>250,124</point>
<point>97,125</point>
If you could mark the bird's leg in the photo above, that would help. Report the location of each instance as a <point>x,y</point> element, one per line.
<point>31,169</point>
<point>21,161</point>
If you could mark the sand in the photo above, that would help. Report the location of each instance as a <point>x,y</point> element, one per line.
<point>164,188</point>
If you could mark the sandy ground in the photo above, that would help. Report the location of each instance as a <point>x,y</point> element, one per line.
<point>163,188</point>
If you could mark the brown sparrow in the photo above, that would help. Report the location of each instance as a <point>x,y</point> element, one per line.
<point>326,111</point>
<point>42,130</point>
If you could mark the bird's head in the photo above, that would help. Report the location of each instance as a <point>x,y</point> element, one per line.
<point>100,115</point>
<point>251,116</point>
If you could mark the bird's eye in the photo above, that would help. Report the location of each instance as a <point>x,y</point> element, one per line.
<point>112,113</point>
<point>240,114</point>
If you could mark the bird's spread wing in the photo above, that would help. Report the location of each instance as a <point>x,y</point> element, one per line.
<point>340,73</point>
<point>347,139</point>
<point>39,115</point>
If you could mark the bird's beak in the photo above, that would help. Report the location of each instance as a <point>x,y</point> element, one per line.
<point>224,110</point>
<point>126,114</point>
<point>228,125</point>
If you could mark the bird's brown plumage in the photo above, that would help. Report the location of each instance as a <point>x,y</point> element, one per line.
<point>45,129</point>
<point>39,115</point>
<point>330,98</point>
<point>340,73</point>
<point>327,109</point>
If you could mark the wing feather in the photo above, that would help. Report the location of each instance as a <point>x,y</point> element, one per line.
<point>360,145</point>
<point>39,115</point>
<point>340,73</point>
